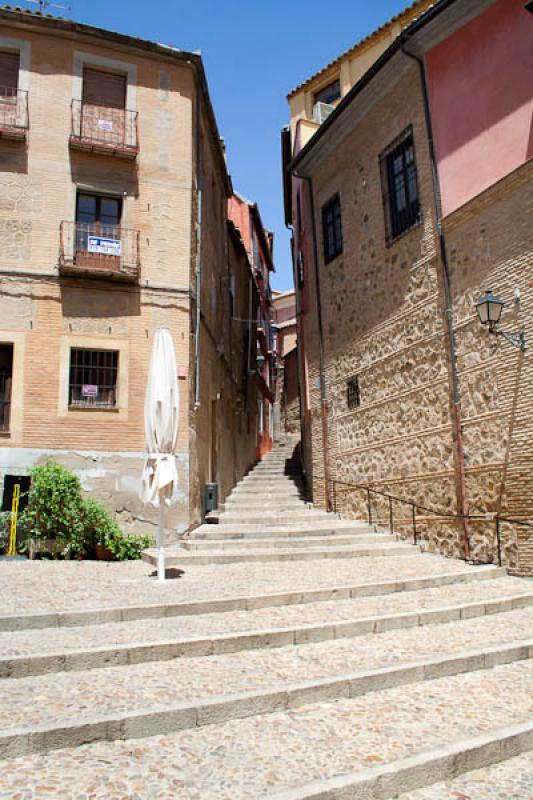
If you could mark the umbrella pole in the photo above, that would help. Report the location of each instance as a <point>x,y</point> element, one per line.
<point>160,548</point>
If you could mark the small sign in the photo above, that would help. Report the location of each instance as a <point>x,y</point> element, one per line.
<point>10,481</point>
<point>105,124</point>
<point>106,247</point>
<point>89,390</point>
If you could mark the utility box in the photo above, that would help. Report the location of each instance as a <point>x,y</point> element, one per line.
<point>210,497</point>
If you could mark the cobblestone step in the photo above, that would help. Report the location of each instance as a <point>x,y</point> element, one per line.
<point>295,516</point>
<point>40,652</point>
<point>92,712</point>
<point>221,531</point>
<point>508,780</point>
<point>226,542</point>
<point>176,556</point>
<point>372,746</point>
<point>325,526</point>
<point>52,586</point>
<point>128,613</point>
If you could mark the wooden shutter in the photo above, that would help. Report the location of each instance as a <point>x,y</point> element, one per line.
<point>9,71</point>
<point>104,89</point>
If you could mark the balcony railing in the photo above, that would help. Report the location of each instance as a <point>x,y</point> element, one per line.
<point>104,129</point>
<point>103,251</point>
<point>14,119</point>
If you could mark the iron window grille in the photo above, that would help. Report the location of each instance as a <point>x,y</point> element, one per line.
<point>93,378</point>
<point>332,229</point>
<point>399,182</point>
<point>353,394</point>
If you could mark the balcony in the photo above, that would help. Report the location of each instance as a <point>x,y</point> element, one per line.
<point>105,130</point>
<point>14,119</point>
<point>99,251</point>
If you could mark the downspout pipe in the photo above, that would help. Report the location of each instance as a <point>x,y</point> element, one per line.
<point>198,270</point>
<point>323,388</point>
<point>456,398</point>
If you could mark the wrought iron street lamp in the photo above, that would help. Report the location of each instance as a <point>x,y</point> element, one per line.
<point>489,310</point>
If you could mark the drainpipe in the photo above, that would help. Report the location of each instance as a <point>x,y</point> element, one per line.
<point>323,389</point>
<point>198,275</point>
<point>456,398</point>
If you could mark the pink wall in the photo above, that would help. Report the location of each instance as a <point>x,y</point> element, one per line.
<point>481,95</point>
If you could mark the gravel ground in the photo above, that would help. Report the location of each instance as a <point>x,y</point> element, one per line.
<point>38,586</point>
<point>27,702</point>
<point>510,780</point>
<point>27,642</point>
<point>253,757</point>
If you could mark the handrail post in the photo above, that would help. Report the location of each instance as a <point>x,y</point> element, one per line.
<point>414,524</point>
<point>369,505</point>
<point>498,541</point>
<point>391,520</point>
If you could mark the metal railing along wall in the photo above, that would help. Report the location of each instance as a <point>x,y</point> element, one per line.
<point>415,511</point>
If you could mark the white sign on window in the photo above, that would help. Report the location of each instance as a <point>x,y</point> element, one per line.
<point>105,247</point>
<point>89,390</point>
<point>105,124</point>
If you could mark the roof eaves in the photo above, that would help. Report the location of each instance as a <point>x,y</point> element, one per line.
<point>415,24</point>
<point>364,41</point>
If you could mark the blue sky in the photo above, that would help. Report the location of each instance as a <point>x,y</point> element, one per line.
<point>254,52</point>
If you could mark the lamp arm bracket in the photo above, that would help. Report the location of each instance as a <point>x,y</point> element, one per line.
<point>516,339</point>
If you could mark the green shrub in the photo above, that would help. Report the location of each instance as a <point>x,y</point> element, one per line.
<point>55,508</point>
<point>103,530</point>
<point>57,511</point>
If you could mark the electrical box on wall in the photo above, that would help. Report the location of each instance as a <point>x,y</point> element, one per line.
<point>210,497</point>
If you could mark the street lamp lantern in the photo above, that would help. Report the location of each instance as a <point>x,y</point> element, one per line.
<point>489,310</point>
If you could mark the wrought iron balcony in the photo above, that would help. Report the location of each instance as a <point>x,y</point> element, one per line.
<point>103,129</point>
<point>14,119</point>
<point>101,251</point>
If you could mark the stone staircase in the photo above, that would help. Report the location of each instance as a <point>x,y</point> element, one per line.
<point>267,518</point>
<point>382,674</point>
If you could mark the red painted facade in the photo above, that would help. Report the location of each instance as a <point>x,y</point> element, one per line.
<point>480,81</point>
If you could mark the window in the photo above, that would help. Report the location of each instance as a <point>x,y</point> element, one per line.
<point>400,186</point>
<point>328,94</point>
<point>6,374</point>
<point>332,229</point>
<point>9,78</point>
<point>103,89</point>
<point>96,216</point>
<point>93,378</point>
<point>353,395</point>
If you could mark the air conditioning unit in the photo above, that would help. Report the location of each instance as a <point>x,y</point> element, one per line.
<point>321,112</point>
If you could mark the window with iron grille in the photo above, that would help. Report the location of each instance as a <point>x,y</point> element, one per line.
<point>353,395</point>
<point>332,228</point>
<point>93,378</point>
<point>400,186</point>
<point>6,372</point>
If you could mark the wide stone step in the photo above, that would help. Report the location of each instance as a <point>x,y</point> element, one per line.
<point>270,517</point>
<point>368,746</point>
<point>325,527</point>
<point>128,613</point>
<point>225,542</point>
<point>511,779</point>
<point>139,700</point>
<point>176,556</point>
<point>272,505</point>
<point>27,653</point>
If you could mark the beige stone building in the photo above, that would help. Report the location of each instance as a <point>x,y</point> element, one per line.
<point>113,221</point>
<point>407,203</point>
<point>287,407</point>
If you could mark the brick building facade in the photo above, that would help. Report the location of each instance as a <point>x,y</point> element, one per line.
<point>394,241</point>
<point>113,221</point>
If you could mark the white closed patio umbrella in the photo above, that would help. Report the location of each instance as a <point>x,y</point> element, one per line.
<point>161,422</point>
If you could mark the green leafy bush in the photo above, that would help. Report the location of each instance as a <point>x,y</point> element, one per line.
<point>55,508</point>
<point>57,511</point>
<point>103,530</point>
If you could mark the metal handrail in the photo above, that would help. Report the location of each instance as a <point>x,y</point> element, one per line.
<point>14,108</point>
<point>103,125</point>
<point>487,516</point>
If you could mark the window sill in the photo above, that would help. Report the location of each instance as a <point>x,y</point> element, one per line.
<point>392,241</point>
<point>5,434</point>
<point>113,410</point>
